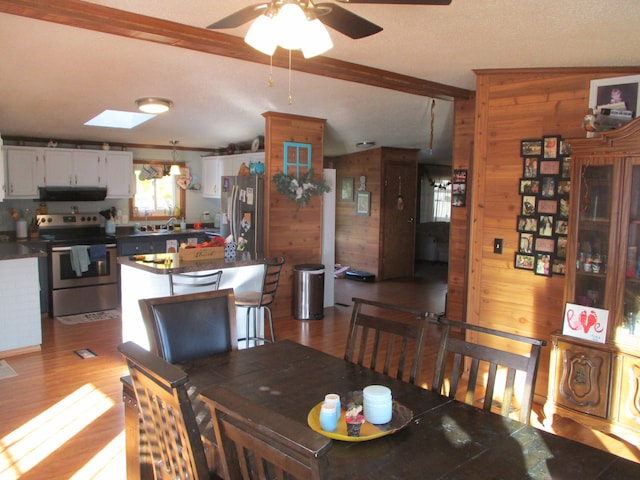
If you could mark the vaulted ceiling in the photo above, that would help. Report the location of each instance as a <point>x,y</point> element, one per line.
<point>65,61</point>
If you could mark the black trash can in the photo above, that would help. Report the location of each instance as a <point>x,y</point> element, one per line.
<point>308,291</point>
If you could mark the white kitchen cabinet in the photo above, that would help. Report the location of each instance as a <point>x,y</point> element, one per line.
<point>24,171</point>
<point>214,168</point>
<point>118,174</point>
<point>71,167</point>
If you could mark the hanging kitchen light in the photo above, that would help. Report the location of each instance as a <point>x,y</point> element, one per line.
<point>175,168</point>
<point>154,105</point>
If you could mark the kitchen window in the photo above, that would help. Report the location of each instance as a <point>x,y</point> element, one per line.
<point>158,197</point>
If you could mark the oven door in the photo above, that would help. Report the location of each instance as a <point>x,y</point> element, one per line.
<point>98,272</point>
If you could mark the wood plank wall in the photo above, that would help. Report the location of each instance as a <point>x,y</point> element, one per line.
<point>291,231</point>
<point>512,105</point>
<point>358,236</point>
<point>463,120</point>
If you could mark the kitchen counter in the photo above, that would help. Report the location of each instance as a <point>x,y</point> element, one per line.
<point>22,249</point>
<point>140,279</point>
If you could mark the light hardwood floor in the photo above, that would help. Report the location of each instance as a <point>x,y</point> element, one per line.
<point>62,416</point>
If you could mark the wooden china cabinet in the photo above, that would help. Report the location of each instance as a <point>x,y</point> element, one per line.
<point>599,384</point>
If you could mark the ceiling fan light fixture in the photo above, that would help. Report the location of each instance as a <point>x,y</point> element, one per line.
<point>154,105</point>
<point>290,26</point>
<point>317,40</point>
<point>262,35</point>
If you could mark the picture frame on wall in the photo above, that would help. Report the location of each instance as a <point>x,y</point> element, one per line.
<point>548,206</point>
<point>616,90</point>
<point>563,187</point>
<point>529,186</point>
<point>530,167</point>
<point>363,203</point>
<point>561,247</point>
<point>545,225</point>
<point>545,245</point>
<point>565,168</point>
<point>529,204</point>
<point>524,261</point>
<point>558,266</point>
<point>346,189</point>
<point>531,147</point>
<point>527,224</point>
<point>549,167</point>
<point>526,243</point>
<point>548,186</point>
<point>550,146</point>
<point>543,264</point>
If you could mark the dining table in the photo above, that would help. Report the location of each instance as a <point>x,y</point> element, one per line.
<point>444,438</point>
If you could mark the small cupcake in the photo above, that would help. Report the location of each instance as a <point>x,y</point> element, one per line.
<point>354,418</point>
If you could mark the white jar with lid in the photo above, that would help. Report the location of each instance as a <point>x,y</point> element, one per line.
<point>377,404</point>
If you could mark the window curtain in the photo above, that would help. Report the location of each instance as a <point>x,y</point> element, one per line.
<point>435,199</point>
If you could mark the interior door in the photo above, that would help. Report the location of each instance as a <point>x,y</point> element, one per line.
<point>399,205</point>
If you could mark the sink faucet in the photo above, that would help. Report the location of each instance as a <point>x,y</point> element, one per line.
<point>169,222</point>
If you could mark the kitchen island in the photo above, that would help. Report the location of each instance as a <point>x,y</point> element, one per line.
<point>147,276</point>
<point>20,322</point>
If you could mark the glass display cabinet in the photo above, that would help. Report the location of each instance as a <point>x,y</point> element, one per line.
<point>598,384</point>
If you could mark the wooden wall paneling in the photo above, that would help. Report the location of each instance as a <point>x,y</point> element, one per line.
<point>464,126</point>
<point>291,231</point>
<point>512,105</point>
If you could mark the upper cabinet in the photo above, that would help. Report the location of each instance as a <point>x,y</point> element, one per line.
<point>214,168</point>
<point>28,168</point>
<point>118,174</point>
<point>24,171</point>
<point>71,168</point>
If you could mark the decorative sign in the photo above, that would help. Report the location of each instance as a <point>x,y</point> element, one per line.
<point>585,322</point>
<point>459,188</point>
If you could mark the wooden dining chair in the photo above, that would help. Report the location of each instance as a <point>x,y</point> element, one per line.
<point>167,417</point>
<point>387,338</point>
<point>483,358</point>
<point>258,443</point>
<point>191,326</point>
<point>194,282</point>
<point>253,301</point>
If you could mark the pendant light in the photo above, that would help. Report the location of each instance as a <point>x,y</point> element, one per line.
<point>175,168</point>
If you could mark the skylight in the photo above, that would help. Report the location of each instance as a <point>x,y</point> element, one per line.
<point>119,119</point>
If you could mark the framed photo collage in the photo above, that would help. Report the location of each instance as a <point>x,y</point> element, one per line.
<point>544,212</point>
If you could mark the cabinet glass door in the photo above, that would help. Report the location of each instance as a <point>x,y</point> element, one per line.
<point>594,223</point>
<point>630,325</point>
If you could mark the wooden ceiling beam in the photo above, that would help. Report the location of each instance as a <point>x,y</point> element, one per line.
<point>90,16</point>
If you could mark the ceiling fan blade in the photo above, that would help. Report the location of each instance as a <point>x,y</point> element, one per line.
<point>345,22</point>
<point>400,2</point>
<point>240,17</point>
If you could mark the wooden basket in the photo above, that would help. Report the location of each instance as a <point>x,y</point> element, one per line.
<point>204,253</point>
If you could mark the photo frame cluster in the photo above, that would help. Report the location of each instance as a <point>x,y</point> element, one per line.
<point>543,220</point>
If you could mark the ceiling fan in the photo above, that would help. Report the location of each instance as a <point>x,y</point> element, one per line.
<point>330,14</point>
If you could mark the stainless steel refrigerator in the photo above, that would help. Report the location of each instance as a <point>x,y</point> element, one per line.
<point>242,205</point>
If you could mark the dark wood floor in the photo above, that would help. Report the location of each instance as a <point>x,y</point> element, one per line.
<point>62,416</point>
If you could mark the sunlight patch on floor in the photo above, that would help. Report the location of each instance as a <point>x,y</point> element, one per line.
<point>108,464</point>
<point>31,443</point>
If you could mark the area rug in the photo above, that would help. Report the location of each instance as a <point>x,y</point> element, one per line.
<point>6,371</point>
<point>90,317</point>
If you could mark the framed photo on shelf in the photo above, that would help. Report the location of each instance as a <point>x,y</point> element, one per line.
<point>616,90</point>
<point>551,146</point>
<point>526,243</point>
<point>548,206</point>
<point>524,261</point>
<point>363,203</point>
<point>346,189</point>
<point>530,167</point>
<point>531,147</point>
<point>543,264</point>
<point>529,186</point>
<point>527,224</point>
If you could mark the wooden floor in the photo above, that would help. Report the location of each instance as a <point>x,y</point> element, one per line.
<point>62,416</point>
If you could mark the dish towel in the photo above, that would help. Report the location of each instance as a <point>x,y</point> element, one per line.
<point>79,258</point>
<point>97,252</point>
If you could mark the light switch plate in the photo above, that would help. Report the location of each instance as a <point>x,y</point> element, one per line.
<point>497,245</point>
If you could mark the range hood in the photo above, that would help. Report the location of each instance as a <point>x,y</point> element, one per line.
<point>72,194</point>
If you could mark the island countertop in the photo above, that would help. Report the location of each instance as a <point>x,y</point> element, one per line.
<point>165,263</point>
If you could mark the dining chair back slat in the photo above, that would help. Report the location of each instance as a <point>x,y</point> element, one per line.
<point>167,417</point>
<point>483,358</point>
<point>194,282</point>
<point>387,338</point>
<point>258,443</point>
<point>191,326</point>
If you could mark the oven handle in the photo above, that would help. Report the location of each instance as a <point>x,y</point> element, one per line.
<point>66,249</point>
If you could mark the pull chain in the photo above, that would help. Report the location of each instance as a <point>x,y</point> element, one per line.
<point>433,111</point>
<point>290,98</point>
<point>270,82</point>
